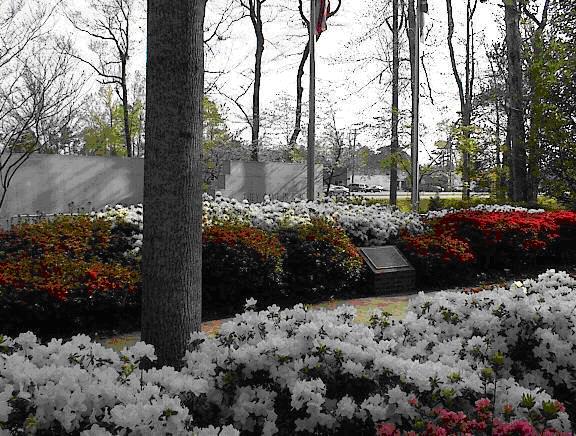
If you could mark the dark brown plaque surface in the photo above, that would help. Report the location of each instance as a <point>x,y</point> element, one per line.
<point>384,258</point>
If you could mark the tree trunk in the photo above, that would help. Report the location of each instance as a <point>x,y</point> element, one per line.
<point>507,156</point>
<point>500,181</point>
<point>257,22</point>
<point>515,103</point>
<point>394,145</point>
<point>466,120</point>
<point>125,111</point>
<point>465,90</point>
<point>536,118</point>
<point>172,249</point>
<point>411,33</point>
<point>299,93</point>
<point>537,94</point>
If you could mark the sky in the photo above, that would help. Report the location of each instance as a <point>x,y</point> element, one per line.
<point>343,73</point>
<point>345,68</point>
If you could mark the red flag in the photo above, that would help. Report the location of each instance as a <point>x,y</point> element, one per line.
<point>323,11</point>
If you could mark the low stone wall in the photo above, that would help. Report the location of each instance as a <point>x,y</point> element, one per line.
<point>63,184</point>
<point>49,184</point>
<point>253,180</point>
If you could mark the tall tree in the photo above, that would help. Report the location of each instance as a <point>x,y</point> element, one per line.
<point>103,135</point>
<point>557,70</point>
<point>254,10</point>
<point>516,131</point>
<point>394,142</point>
<point>39,89</point>
<point>172,249</point>
<point>466,86</point>
<point>300,74</point>
<point>497,91</point>
<point>108,25</point>
<point>537,88</point>
<point>411,33</point>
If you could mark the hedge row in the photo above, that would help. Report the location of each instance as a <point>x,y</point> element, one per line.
<point>72,275</point>
<point>468,241</point>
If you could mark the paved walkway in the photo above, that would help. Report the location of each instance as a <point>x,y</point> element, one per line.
<point>395,305</point>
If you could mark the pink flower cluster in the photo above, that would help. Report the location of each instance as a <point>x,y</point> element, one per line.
<point>446,422</point>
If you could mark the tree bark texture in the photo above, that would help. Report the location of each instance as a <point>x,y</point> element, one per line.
<point>515,103</point>
<point>394,144</point>
<point>500,180</point>
<point>411,33</point>
<point>256,18</point>
<point>172,249</point>
<point>125,111</point>
<point>465,88</point>
<point>536,121</point>
<point>507,157</point>
<point>299,93</point>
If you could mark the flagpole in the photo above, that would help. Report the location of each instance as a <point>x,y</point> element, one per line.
<point>416,114</point>
<point>312,103</point>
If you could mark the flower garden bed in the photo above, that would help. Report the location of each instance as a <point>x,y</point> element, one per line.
<point>495,362</point>
<point>81,274</point>
<point>500,361</point>
<point>490,240</point>
<point>67,276</point>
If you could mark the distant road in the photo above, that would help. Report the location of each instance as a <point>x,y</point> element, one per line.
<point>405,194</point>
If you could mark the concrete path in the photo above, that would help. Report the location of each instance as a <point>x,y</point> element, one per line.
<point>395,305</point>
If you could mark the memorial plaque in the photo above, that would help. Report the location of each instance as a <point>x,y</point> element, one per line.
<point>387,257</point>
<point>391,271</point>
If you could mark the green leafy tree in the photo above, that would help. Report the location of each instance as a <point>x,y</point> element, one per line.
<point>218,145</point>
<point>557,80</point>
<point>105,134</point>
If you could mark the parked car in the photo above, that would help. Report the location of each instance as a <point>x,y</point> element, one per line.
<point>377,188</point>
<point>338,190</point>
<point>358,187</point>
<point>437,188</point>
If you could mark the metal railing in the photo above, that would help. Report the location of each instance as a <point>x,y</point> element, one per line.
<point>39,216</point>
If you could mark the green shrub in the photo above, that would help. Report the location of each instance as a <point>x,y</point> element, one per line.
<point>438,257</point>
<point>320,260</point>
<point>64,276</point>
<point>240,262</point>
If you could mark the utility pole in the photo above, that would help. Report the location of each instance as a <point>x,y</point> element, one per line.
<point>449,164</point>
<point>354,154</point>
<point>415,112</point>
<point>312,101</point>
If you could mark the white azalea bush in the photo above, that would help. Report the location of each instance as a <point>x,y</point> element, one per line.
<point>511,352</point>
<point>533,322</point>
<point>366,225</point>
<point>81,387</point>
<point>325,374</point>
<point>482,208</point>
<point>127,221</point>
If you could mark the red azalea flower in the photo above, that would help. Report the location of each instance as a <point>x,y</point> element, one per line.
<point>93,274</point>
